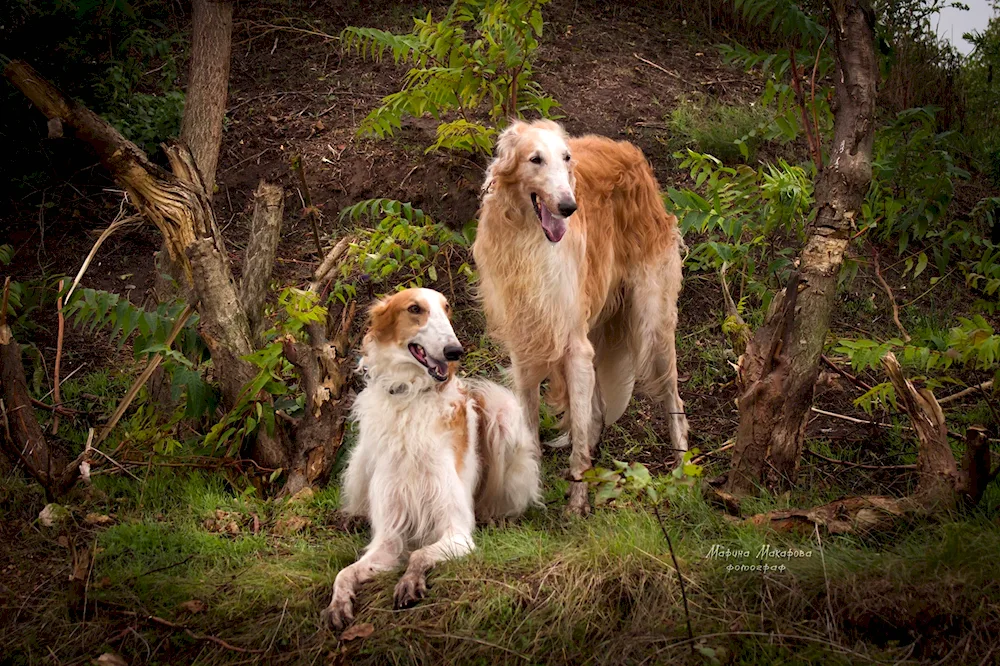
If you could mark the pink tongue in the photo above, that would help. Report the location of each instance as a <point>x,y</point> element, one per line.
<point>554,226</point>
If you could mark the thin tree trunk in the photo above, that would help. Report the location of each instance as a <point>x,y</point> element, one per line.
<point>779,370</point>
<point>208,85</point>
<point>265,230</point>
<point>22,437</point>
<point>201,131</point>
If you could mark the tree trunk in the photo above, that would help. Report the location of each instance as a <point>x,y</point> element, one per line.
<point>780,367</point>
<point>22,438</point>
<point>265,231</point>
<point>201,131</point>
<point>178,205</point>
<point>208,85</point>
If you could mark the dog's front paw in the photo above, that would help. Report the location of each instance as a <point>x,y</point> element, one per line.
<point>410,589</point>
<point>579,503</point>
<point>339,613</point>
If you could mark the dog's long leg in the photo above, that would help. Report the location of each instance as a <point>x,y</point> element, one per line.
<point>527,382</point>
<point>382,554</point>
<point>653,331</point>
<point>581,381</point>
<point>413,585</point>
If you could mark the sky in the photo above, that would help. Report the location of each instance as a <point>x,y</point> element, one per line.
<point>953,23</point>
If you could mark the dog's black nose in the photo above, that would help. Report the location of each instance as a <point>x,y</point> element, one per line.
<point>453,352</point>
<point>567,208</point>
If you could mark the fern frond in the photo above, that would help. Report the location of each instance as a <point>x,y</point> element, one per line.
<point>373,43</point>
<point>95,309</point>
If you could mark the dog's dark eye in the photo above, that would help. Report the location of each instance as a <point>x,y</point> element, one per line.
<point>537,159</point>
<point>415,309</point>
<point>566,157</point>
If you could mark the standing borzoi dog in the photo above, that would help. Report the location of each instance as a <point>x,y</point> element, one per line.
<point>434,452</point>
<point>580,270</point>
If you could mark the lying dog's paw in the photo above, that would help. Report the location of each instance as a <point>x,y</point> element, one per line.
<point>579,503</point>
<point>410,589</point>
<point>338,614</point>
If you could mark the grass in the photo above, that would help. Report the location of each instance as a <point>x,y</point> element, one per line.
<point>548,589</point>
<point>711,127</point>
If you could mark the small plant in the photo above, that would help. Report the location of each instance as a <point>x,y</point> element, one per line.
<point>255,407</point>
<point>479,56</point>
<point>403,245</point>
<point>183,361</point>
<point>718,129</point>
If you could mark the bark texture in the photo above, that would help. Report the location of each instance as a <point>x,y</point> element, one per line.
<point>22,437</point>
<point>208,85</point>
<point>265,230</point>
<point>781,364</point>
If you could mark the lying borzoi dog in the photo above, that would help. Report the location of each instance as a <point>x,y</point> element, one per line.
<point>580,269</point>
<point>434,452</point>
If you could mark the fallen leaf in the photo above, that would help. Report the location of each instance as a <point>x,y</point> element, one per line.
<point>193,606</point>
<point>291,525</point>
<point>98,519</point>
<point>304,494</point>
<point>111,659</point>
<point>232,527</point>
<point>363,630</point>
<point>52,514</point>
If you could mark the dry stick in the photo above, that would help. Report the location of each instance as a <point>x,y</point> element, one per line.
<point>843,373</point>
<point>680,578</point>
<point>56,400</point>
<point>966,391</point>
<point>309,211</point>
<point>725,447</point>
<point>198,637</point>
<point>653,64</point>
<point>144,377</point>
<point>858,465</point>
<point>892,299</point>
<point>800,98</point>
<point>115,226</point>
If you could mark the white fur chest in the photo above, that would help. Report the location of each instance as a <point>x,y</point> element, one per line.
<point>402,472</point>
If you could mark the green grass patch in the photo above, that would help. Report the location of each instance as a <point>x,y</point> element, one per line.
<point>544,589</point>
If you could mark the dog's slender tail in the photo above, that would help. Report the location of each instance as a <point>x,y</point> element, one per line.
<point>509,456</point>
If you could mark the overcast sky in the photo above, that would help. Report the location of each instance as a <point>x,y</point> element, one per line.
<point>953,23</point>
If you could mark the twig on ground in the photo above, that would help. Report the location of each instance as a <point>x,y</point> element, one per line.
<point>56,400</point>
<point>858,465</point>
<point>892,299</point>
<point>655,66</point>
<point>966,391</point>
<point>180,627</point>
<point>725,447</point>
<point>680,577</point>
<point>843,373</point>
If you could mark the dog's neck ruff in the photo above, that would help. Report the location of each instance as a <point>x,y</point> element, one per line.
<point>399,383</point>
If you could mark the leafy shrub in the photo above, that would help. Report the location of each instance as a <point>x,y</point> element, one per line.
<point>479,56</point>
<point>739,211</point>
<point>402,247</point>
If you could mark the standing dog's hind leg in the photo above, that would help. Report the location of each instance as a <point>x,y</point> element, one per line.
<point>582,384</point>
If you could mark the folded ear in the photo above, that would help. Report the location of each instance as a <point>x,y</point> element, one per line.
<point>381,321</point>
<point>505,155</point>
